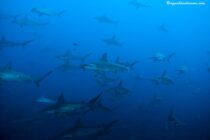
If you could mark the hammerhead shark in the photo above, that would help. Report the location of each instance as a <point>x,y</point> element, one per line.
<point>87,132</point>
<point>27,22</point>
<point>5,43</point>
<point>46,12</point>
<point>105,19</point>
<point>64,108</point>
<point>112,41</point>
<point>138,5</point>
<point>8,74</point>
<point>103,65</point>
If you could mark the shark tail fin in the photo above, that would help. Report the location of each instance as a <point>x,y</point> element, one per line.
<point>169,57</point>
<point>95,99</point>
<point>41,78</point>
<point>120,84</point>
<point>78,124</point>
<point>26,43</point>
<point>106,130</point>
<point>109,126</point>
<point>133,64</point>
<point>85,57</point>
<point>94,102</point>
<point>104,57</point>
<point>60,99</point>
<point>8,66</point>
<point>61,13</point>
<point>117,60</point>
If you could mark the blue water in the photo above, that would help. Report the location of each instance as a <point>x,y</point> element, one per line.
<point>142,114</point>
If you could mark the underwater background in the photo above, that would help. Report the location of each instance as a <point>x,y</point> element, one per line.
<point>147,61</point>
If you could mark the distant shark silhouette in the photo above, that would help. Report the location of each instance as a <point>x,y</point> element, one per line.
<point>138,5</point>
<point>112,41</point>
<point>105,19</point>
<point>45,12</point>
<point>26,22</point>
<point>4,43</point>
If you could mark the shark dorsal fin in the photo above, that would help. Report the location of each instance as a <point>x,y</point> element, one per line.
<point>120,83</point>
<point>104,58</point>
<point>78,124</point>
<point>60,99</point>
<point>8,66</point>
<point>117,60</point>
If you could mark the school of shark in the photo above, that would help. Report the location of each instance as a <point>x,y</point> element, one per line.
<point>79,71</point>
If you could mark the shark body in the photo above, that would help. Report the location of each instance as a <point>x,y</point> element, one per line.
<point>64,108</point>
<point>26,22</point>
<point>103,65</point>
<point>81,131</point>
<point>10,75</point>
<point>45,12</point>
<point>163,79</point>
<point>119,90</point>
<point>4,43</point>
<point>105,19</point>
